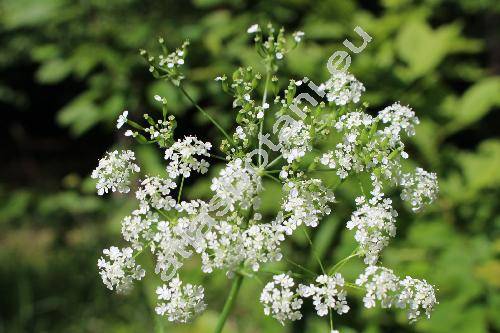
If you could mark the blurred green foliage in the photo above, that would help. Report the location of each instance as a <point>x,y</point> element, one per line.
<point>439,56</point>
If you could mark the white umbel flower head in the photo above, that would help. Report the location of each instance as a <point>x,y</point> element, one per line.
<point>343,88</point>
<point>413,294</point>
<point>306,201</point>
<point>279,301</point>
<point>419,188</point>
<point>375,222</point>
<point>237,184</point>
<point>398,118</point>
<point>328,293</point>
<point>183,157</point>
<point>295,140</point>
<point>180,303</point>
<point>155,192</point>
<point>114,170</point>
<point>121,270</point>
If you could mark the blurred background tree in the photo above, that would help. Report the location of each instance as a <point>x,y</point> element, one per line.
<point>68,68</point>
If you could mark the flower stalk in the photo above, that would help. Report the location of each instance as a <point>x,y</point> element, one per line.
<point>228,305</point>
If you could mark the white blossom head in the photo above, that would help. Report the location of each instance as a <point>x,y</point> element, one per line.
<point>237,186</point>
<point>343,88</point>
<point>185,156</point>
<point>180,303</point>
<point>382,285</point>
<point>375,222</point>
<point>280,301</point>
<point>114,171</point>
<point>119,270</point>
<point>420,188</point>
<point>328,293</point>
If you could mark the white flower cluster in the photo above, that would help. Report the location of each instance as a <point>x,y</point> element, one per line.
<point>345,157</point>
<point>419,188</point>
<point>306,202</point>
<point>229,232</point>
<point>382,285</point>
<point>279,301</point>
<point>343,88</point>
<point>295,140</point>
<point>328,293</point>
<point>237,185</point>
<point>120,271</point>
<point>399,118</point>
<point>114,171</point>
<point>229,244</point>
<point>374,221</point>
<point>363,148</point>
<point>284,303</point>
<point>174,59</point>
<point>182,157</point>
<point>154,192</point>
<point>182,302</point>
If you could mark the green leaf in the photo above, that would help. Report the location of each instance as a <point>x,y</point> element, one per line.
<point>477,101</point>
<point>80,114</point>
<point>53,71</point>
<point>423,48</point>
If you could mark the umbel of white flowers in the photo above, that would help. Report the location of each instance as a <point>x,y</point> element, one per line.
<point>229,232</point>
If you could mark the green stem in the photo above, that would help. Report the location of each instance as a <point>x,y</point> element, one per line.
<point>342,262</point>
<point>180,190</point>
<point>268,75</point>
<point>274,161</point>
<point>206,114</point>
<point>272,177</point>
<point>312,250</point>
<point>235,288</point>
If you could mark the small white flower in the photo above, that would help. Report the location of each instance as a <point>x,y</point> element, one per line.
<point>260,115</point>
<point>122,119</point>
<point>253,29</point>
<point>279,55</point>
<point>298,35</point>
<point>240,133</point>
<point>129,133</point>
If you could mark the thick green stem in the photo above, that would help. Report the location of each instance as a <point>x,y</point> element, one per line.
<point>233,293</point>
<point>206,114</point>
